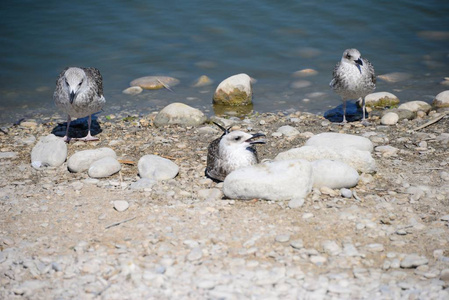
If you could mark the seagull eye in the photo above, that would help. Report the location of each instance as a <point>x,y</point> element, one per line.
<point>80,83</point>
<point>237,138</point>
<point>348,56</point>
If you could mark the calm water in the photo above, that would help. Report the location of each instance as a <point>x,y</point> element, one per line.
<point>268,40</point>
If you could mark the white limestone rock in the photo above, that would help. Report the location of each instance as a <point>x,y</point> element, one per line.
<point>340,141</point>
<point>360,160</point>
<point>333,174</point>
<point>276,181</point>
<point>50,150</point>
<point>416,106</point>
<point>389,118</point>
<point>288,131</point>
<point>180,114</point>
<point>380,100</point>
<point>442,99</point>
<point>157,168</point>
<point>81,160</point>
<point>104,167</point>
<point>234,91</point>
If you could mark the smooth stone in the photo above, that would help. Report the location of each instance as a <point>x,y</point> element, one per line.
<point>154,82</point>
<point>299,84</point>
<point>395,77</point>
<point>444,275</point>
<point>413,260</point>
<point>288,130</point>
<point>276,181</point>
<point>416,106</point>
<point>402,113</point>
<point>104,167</point>
<point>120,205</point>
<point>282,238</point>
<point>195,254</point>
<point>389,118</point>
<point>441,100</point>
<point>297,244</point>
<point>445,218</point>
<point>381,100</point>
<point>340,141</point>
<point>333,174</point>
<point>305,73</point>
<point>387,150</point>
<point>8,155</point>
<point>203,81</point>
<point>362,161</point>
<point>50,150</point>
<point>157,168</point>
<point>375,247</point>
<point>133,90</point>
<point>180,114</point>
<point>296,203</point>
<point>235,91</point>
<point>346,193</point>
<point>143,183</point>
<point>81,160</point>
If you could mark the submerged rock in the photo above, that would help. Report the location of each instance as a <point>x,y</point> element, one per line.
<point>235,90</point>
<point>154,82</point>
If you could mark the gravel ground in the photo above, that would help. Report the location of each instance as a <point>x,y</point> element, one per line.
<point>61,238</point>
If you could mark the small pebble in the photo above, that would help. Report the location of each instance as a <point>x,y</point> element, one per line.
<point>121,205</point>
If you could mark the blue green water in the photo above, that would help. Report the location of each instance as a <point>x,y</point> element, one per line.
<point>268,40</point>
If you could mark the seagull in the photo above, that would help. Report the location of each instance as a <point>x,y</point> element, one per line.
<point>353,77</point>
<point>79,93</point>
<point>231,151</point>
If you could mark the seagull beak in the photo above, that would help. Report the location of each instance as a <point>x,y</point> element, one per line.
<point>255,139</point>
<point>72,96</point>
<point>359,63</point>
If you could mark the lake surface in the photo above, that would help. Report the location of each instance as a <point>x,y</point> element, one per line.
<point>268,40</point>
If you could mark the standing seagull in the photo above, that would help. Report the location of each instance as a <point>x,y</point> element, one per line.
<point>79,93</point>
<point>231,151</point>
<point>353,77</point>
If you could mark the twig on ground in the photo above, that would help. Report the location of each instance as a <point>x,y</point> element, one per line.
<point>431,121</point>
<point>165,85</point>
<point>120,222</point>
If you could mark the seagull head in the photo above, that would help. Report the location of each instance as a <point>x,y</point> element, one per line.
<point>239,140</point>
<point>352,56</point>
<point>75,80</point>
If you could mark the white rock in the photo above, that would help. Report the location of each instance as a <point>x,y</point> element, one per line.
<point>331,247</point>
<point>333,174</point>
<point>133,90</point>
<point>296,203</point>
<point>346,193</point>
<point>121,205</point>
<point>234,90</point>
<point>381,99</point>
<point>81,160</point>
<point>104,167</point>
<point>157,168</point>
<point>181,114</point>
<point>288,130</point>
<point>210,194</point>
<point>413,261</point>
<point>442,99</point>
<point>278,180</point>
<point>389,118</point>
<point>340,141</point>
<point>50,150</point>
<point>375,247</point>
<point>8,155</point>
<point>362,161</point>
<point>143,183</point>
<point>415,106</point>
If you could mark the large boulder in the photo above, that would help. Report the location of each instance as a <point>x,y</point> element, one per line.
<point>235,91</point>
<point>50,150</point>
<point>157,168</point>
<point>340,141</point>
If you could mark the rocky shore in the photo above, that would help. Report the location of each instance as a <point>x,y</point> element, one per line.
<point>69,233</point>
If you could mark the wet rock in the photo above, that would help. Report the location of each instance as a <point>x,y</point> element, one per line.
<point>235,91</point>
<point>389,118</point>
<point>362,161</point>
<point>413,260</point>
<point>340,141</point>
<point>416,106</point>
<point>381,100</point>
<point>104,167</point>
<point>81,160</point>
<point>278,180</point>
<point>394,77</point>
<point>121,205</point>
<point>202,81</point>
<point>180,114</point>
<point>143,183</point>
<point>333,174</point>
<point>50,150</point>
<point>288,130</point>
<point>157,168</point>
<point>299,84</point>
<point>133,90</point>
<point>441,100</point>
<point>305,73</point>
<point>154,82</point>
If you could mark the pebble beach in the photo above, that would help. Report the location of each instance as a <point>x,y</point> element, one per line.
<point>68,232</point>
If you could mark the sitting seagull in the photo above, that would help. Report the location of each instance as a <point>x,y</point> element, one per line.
<point>231,151</point>
<point>79,93</point>
<point>353,77</point>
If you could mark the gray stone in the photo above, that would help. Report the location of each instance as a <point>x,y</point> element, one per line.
<point>416,106</point>
<point>288,130</point>
<point>402,113</point>
<point>296,203</point>
<point>133,90</point>
<point>8,155</point>
<point>362,161</point>
<point>50,150</point>
<point>195,254</point>
<point>331,247</point>
<point>210,194</point>
<point>389,118</point>
<point>297,244</point>
<point>340,141</point>
<point>157,168</point>
<point>179,114</point>
<point>381,100</point>
<point>234,91</point>
<point>121,205</point>
<point>282,238</point>
<point>387,151</point>
<point>442,99</point>
<point>375,247</point>
<point>346,193</point>
<point>104,167</point>
<point>333,174</point>
<point>277,181</point>
<point>81,160</point>
<point>413,260</point>
<point>143,183</point>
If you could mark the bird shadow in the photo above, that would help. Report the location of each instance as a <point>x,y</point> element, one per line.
<point>78,128</point>
<point>353,113</point>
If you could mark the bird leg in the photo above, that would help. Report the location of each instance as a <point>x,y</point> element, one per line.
<point>344,113</point>
<point>88,137</point>
<point>66,138</point>
<point>364,121</point>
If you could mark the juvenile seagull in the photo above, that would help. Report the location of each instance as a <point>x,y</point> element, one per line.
<point>231,151</point>
<point>353,77</point>
<point>79,93</point>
